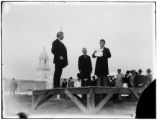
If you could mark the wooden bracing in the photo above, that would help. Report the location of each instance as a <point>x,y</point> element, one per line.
<point>41,96</point>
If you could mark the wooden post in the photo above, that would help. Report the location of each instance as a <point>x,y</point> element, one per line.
<point>90,101</point>
<point>76,101</point>
<point>34,100</point>
<point>134,93</point>
<point>43,99</point>
<point>103,102</point>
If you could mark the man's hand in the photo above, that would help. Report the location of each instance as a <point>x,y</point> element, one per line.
<point>61,58</point>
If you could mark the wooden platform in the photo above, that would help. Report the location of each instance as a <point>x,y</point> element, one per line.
<point>41,96</point>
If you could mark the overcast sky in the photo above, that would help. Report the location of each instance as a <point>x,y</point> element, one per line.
<point>128,29</point>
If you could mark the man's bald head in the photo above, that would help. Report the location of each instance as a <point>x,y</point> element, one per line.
<point>60,35</point>
<point>84,50</point>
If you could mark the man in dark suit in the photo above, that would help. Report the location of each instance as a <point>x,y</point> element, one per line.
<point>101,69</point>
<point>60,58</point>
<point>85,67</point>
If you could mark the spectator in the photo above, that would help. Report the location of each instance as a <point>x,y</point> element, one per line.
<point>119,82</point>
<point>119,79</point>
<point>78,82</point>
<point>140,72</point>
<point>70,82</point>
<point>112,80</point>
<point>132,77</point>
<point>13,87</point>
<point>127,78</point>
<point>64,83</point>
<point>148,77</point>
<point>139,79</point>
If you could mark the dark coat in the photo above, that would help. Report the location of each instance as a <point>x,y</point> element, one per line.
<point>127,80</point>
<point>59,49</point>
<point>85,64</point>
<point>101,67</point>
<point>146,107</point>
<point>64,84</point>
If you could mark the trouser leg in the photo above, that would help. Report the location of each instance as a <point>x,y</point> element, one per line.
<point>98,81</point>
<point>89,80</point>
<point>98,97</point>
<point>83,84</point>
<point>57,75</point>
<point>104,81</point>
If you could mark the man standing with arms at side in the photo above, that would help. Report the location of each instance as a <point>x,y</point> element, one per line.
<point>101,69</point>
<point>60,58</point>
<point>85,68</point>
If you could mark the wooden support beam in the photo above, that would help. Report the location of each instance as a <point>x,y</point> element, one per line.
<point>90,91</point>
<point>34,100</point>
<point>42,99</point>
<point>134,93</point>
<point>141,89</point>
<point>90,101</point>
<point>78,97</point>
<point>76,101</point>
<point>103,102</point>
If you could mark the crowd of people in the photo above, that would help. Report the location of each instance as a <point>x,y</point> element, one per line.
<point>131,78</point>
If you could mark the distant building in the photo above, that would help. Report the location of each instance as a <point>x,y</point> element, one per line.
<point>43,69</point>
<point>43,79</point>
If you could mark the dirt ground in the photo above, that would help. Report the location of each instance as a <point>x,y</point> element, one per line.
<point>63,109</point>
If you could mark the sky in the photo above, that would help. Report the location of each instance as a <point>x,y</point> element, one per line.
<point>127,27</point>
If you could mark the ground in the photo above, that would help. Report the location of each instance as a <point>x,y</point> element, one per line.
<point>63,109</point>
